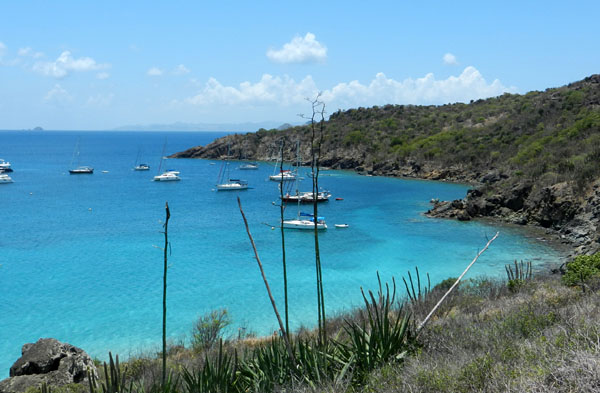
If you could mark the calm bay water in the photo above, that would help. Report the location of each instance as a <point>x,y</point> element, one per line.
<point>79,260</point>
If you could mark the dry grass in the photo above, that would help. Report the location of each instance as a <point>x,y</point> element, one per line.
<point>544,338</point>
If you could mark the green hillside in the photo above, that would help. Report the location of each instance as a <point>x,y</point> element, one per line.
<point>554,132</point>
<point>533,157</point>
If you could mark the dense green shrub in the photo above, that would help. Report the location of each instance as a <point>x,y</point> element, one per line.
<point>209,328</point>
<point>582,268</point>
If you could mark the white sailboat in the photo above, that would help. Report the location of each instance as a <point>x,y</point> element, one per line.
<point>284,174</point>
<point>139,166</point>
<point>305,221</point>
<point>225,183</point>
<point>168,175</point>
<point>79,169</point>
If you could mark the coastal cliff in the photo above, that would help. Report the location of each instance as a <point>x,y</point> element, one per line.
<point>532,159</point>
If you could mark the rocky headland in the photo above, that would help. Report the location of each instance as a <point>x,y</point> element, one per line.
<point>531,159</point>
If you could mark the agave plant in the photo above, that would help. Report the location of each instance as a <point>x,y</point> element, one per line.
<point>381,337</point>
<point>114,379</point>
<point>215,376</point>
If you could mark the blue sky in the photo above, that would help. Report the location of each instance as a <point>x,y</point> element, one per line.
<point>99,65</point>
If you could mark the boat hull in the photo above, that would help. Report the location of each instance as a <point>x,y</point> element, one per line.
<point>86,171</point>
<point>303,225</point>
<point>282,178</point>
<point>231,187</point>
<point>306,197</point>
<point>166,177</point>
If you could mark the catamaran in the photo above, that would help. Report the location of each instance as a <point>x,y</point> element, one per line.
<point>224,182</point>
<point>168,175</point>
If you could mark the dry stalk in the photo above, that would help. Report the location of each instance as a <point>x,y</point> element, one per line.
<point>264,277</point>
<point>424,322</point>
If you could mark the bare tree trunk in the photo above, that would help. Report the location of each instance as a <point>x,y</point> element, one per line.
<point>164,321</point>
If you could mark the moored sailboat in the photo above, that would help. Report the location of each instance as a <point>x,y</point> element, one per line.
<point>79,169</point>
<point>225,183</point>
<point>168,175</point>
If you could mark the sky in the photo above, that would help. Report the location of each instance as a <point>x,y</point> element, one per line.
<point>83,65</point>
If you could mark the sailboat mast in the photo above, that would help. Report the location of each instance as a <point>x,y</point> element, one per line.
<point>297,181</point>
<point>162,156</point>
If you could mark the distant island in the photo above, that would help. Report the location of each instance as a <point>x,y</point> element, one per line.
<point>180,126</point>
<point>532,158</point>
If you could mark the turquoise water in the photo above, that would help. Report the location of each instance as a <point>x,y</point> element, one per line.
<point>79,262</point>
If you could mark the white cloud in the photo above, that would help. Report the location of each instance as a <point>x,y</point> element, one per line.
<point>469,85</point>
<point>300,50</point>
<point>28,52</point>
<point>154,71</point>
<point>102,75</point>
<point>450,59</point>
<point>269,90</point>
<point>181,70</point>
<point>2,49</point>
<point>58,95</point>
<point>100,100</point>
<point>66,64</point>
<point>284,91</point>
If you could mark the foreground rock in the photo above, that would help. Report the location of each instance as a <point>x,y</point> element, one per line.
<point>50,361</point>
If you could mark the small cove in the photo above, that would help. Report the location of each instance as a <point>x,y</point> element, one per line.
<point>79,262</point>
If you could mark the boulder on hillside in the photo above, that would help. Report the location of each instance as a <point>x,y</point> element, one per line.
<point>50,361</point>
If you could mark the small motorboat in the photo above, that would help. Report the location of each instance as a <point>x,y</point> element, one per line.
<point>141,167</point>
<point>249,166</point>
<point>339,199</point>
<point>5,166</point>
<point>342,225</point>
<point>307,197</point>
<point>4,179</point>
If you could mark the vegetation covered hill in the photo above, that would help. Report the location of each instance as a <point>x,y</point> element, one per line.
<point>533,157</point>
<point>539,133</point>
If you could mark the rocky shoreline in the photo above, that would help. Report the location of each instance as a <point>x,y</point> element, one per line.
<point>572,218</point>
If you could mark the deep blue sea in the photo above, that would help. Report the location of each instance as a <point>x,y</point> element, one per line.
<point>80,257</point>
